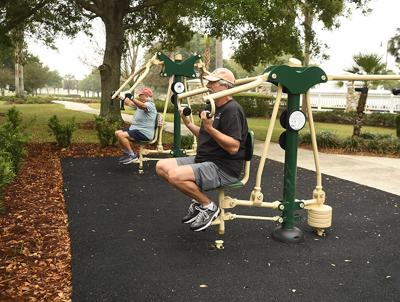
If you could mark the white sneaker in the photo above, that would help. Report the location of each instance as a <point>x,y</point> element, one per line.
<point>130,159</point>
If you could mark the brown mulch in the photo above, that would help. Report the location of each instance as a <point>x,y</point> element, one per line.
<point>35,255</point>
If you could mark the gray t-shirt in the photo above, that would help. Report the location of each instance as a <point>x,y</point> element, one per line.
<point>144,121</point>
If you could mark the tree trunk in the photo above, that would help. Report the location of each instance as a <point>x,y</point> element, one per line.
<point>360,110</point>
<point>351,97</point>
<point>18,36</point>
<point>308,19</point>
<point>207,52</point>
<point>110,71</point>
<point>218,53</point>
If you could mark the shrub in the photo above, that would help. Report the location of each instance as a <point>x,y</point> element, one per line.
<point>373,145</point>
<point>256,105</point>
<point>342,117</point>
<point>187,141</point>
<point>62,133</point>
<point>382,145</point>
<point>14,118</point>
<point>396,147</point>
<point>326,139</point>
<point>44,99</point>
<point>106,130</point>
<point>161,103</point>
<point>12,148</point>
<point>369,135</point>
<point>12,138</point>
<point>398,125</point>
<point>352,144</point>
<point>6,175</point>
<point>334,116</point>
<point>305,138</point>
<point>380,119</point>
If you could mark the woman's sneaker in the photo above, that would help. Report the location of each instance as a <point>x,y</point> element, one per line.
<point>204,218</point>
<point>129,159</point>
<point>193,210</point>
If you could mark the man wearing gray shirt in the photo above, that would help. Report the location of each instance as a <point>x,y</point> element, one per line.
<point>142,127</point>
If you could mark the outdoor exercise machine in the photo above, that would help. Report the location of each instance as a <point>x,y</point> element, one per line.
<point>295,81</point>
<point>176,70</point>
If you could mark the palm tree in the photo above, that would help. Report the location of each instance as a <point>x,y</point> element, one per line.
<point>207,52</point>
<point>365,64</point>
<point>394,46</point>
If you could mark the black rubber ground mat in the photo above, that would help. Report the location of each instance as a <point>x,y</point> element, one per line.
<point>128,243</point>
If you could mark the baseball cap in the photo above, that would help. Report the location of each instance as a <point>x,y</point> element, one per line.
<point>221,74</point>
<point>146,91</point>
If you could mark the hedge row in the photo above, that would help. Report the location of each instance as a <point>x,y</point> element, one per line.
<point>367,142</point>
<point>342,117</point>
<point>46,99</point>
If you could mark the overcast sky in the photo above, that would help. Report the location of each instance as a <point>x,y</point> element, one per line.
<point>365,34</point>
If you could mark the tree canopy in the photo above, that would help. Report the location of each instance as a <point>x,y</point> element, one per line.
<point>149,20</point>
<point>43,19</point>
<point>266,29</point>
<point>394,46</point>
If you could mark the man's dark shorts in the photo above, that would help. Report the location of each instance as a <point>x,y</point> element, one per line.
<point>136,135</point>
<point>207,174</point>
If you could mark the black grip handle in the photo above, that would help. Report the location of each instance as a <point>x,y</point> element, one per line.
<point>187,111</point>
<point>208,114</point>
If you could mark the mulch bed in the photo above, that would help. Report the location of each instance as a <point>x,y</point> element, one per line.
<point>35,256</point>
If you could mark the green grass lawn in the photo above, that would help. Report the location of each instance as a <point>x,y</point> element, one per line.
<point>36,116</point>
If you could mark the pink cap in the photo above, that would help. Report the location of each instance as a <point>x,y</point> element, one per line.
<point>146,91</point>
<point>221,74</point>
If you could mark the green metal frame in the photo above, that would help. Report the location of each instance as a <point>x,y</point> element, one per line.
<point>295,81</point>
<point>178,70</point>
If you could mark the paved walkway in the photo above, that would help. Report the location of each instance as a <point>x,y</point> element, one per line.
<point>378,172</point>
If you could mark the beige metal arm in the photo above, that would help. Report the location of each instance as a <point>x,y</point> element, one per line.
<point>367,77</point>
<point>142,72</point>
<point>192,92</point>
<point>313,141</point>
<point>253,84</point>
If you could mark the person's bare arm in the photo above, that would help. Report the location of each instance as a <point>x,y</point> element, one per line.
<point>136,103</point>
<point>192,127</point>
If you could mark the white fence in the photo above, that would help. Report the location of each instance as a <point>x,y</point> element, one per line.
<point>382,102</point>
